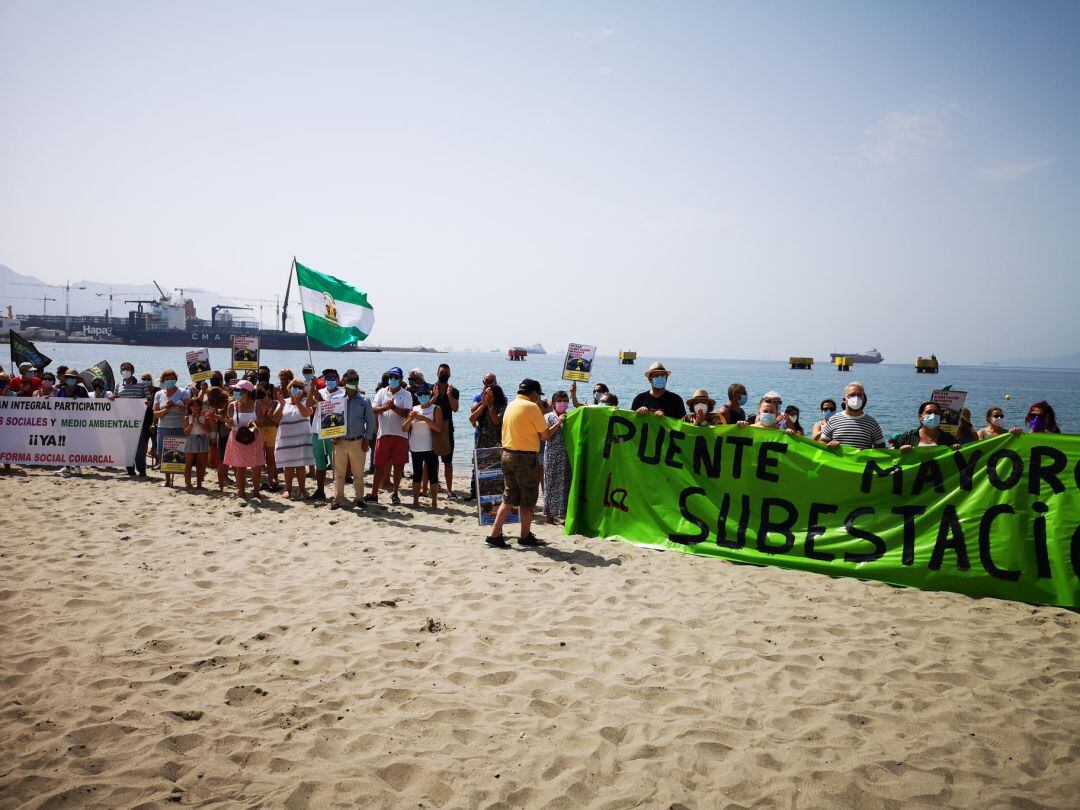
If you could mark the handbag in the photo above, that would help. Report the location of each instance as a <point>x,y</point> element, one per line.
<point>245,435</point>
<point>440,442</point>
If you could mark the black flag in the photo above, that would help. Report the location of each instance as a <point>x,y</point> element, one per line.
<point>103,370</point>
<point>23,351</point>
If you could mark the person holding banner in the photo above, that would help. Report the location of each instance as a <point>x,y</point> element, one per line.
<point>995,425</point>
<point>170,403</point>
<point>556,462</point>
<point>701,410</point>
<point>1041,418</point>
<point>929,432</point>
<point>853,427</point>
<point>245,448</point>
<point>828,411</point>
<point>658,400</point>
<point>351,449</point>
<point>72,387</point>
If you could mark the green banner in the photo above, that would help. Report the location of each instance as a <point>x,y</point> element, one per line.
<point>999,517</point>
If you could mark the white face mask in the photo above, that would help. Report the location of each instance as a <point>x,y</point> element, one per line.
<point>856,402</point>
<point>701,407</point>
<point>997,421</point>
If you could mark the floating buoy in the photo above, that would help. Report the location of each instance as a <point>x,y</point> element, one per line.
<point>1008,396</point>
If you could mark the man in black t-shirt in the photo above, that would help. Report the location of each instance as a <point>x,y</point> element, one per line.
<point>658,400</point>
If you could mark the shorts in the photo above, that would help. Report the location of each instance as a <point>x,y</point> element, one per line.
<point>391,450</point>
<point>449,457</point>
<point>521,479</point>
<point>323,451</point>
<point>425,459</point>
<point>269,435</point>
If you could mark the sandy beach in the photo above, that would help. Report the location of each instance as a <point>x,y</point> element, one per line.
<point>164,648</point>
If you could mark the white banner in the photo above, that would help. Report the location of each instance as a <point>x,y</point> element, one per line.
<point>80,432</point>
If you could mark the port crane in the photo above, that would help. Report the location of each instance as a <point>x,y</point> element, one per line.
<point>66,286</point>
<point>44,299</point>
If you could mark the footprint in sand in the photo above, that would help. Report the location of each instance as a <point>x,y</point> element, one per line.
<point>242,695</point>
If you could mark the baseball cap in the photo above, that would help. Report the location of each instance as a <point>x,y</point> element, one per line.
<point>395,371</point>
<point>530,386</point>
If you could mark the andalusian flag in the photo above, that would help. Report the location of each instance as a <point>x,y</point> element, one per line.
<point>335,313</point>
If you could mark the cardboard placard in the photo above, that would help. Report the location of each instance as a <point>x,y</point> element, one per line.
<point>577,365</point>
<point>173,459</point>
<point>487,462</point>
<point>951,403</point>
<point>332,416</point>
<point>198,364</point>
<point>245,353</point>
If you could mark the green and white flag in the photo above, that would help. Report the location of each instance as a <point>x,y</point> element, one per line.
<point>335,313</point>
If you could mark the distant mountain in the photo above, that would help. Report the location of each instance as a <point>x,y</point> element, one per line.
<point>24,294</point>
<point>1061,361</point>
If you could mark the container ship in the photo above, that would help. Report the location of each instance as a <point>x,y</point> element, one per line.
<point>169,321</point>
<point>873,356</point>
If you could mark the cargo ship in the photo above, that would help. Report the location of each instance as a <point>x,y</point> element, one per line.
<point>873,356</point>
<point>170,321</point>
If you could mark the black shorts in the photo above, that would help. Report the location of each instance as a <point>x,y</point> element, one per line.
<point>420,461</point>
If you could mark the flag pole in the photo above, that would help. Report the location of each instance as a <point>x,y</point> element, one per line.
<point>306,338</point>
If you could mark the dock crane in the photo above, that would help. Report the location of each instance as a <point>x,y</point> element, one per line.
<point>214,311</point>
<point>44,299</point>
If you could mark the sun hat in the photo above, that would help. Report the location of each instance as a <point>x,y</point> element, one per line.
<point>701,395</point>
<point>245,385</point>
<point>656,368</point>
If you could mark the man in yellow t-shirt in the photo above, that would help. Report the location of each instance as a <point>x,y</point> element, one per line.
<point>523,428</point>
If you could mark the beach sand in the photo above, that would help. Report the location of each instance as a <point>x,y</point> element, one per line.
<point>162,647</point>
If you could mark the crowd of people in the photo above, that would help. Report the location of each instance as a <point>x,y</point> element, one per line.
<point>261,436</point>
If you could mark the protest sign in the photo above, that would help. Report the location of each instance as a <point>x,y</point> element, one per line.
<point>1000,517</point>
<point>487,461</point>
<point>198,364</point>
<point>577,365</point>
<point>245,353</point>
<point>172,454</point>
<point>951,404</point>
<point>80,432</point>
<point>332,418</point>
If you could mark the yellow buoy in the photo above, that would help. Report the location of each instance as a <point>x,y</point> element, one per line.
<point>1008,396</point>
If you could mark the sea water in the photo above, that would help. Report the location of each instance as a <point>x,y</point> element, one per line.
<point>894,391</point>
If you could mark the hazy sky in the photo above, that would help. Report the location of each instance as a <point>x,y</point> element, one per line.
<point>705,179</point>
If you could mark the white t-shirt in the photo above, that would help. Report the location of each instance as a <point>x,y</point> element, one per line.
<point>420,440</point>
<point>390,423</point>
<point>325,396</point>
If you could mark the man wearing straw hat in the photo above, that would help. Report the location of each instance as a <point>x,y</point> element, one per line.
<point>658,400</point>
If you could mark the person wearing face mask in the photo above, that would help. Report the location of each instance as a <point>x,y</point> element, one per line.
<point>268,406</point>
<point>245,451</point>
<point>768,416</point>
<point>701,410</point>
<point>424,422</point>
<point>350,450</point>
<point>447,398</point>
<point>732,411</point>
<point>658,400</point>
<point>791,414</point>
<point>853,427</point>
<point>48,385</point>
<point>98,390</point>
<point>524,427</point>
<point>598,391</point>
<point>1041,418</point>
<point>72,387</point>
<point>170,404</point>
<point>828,411</point>
<point>928,433</point>
<point>556,462</point>
<point>995,425</point>
<point>322,450</point>
<point>6,388</point>
<point>292,448</point>
<point>392,405</point>
<point>609,400</point>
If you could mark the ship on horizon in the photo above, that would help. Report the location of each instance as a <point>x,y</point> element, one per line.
<point>873,356</point>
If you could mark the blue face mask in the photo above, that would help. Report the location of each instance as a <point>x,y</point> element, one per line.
<point>331,385</point>
<point>767,419</point>
<point>828,414</point>
<point>596,397</point>
<point>296,392</point>
<point>742,399</point>
<point>308,377</point>
<point>424,399</point>
<point>394,383</point>
<point>659,382</point>
<point>931,420</point>
<point>169,384</point>
<point>237,394</point>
